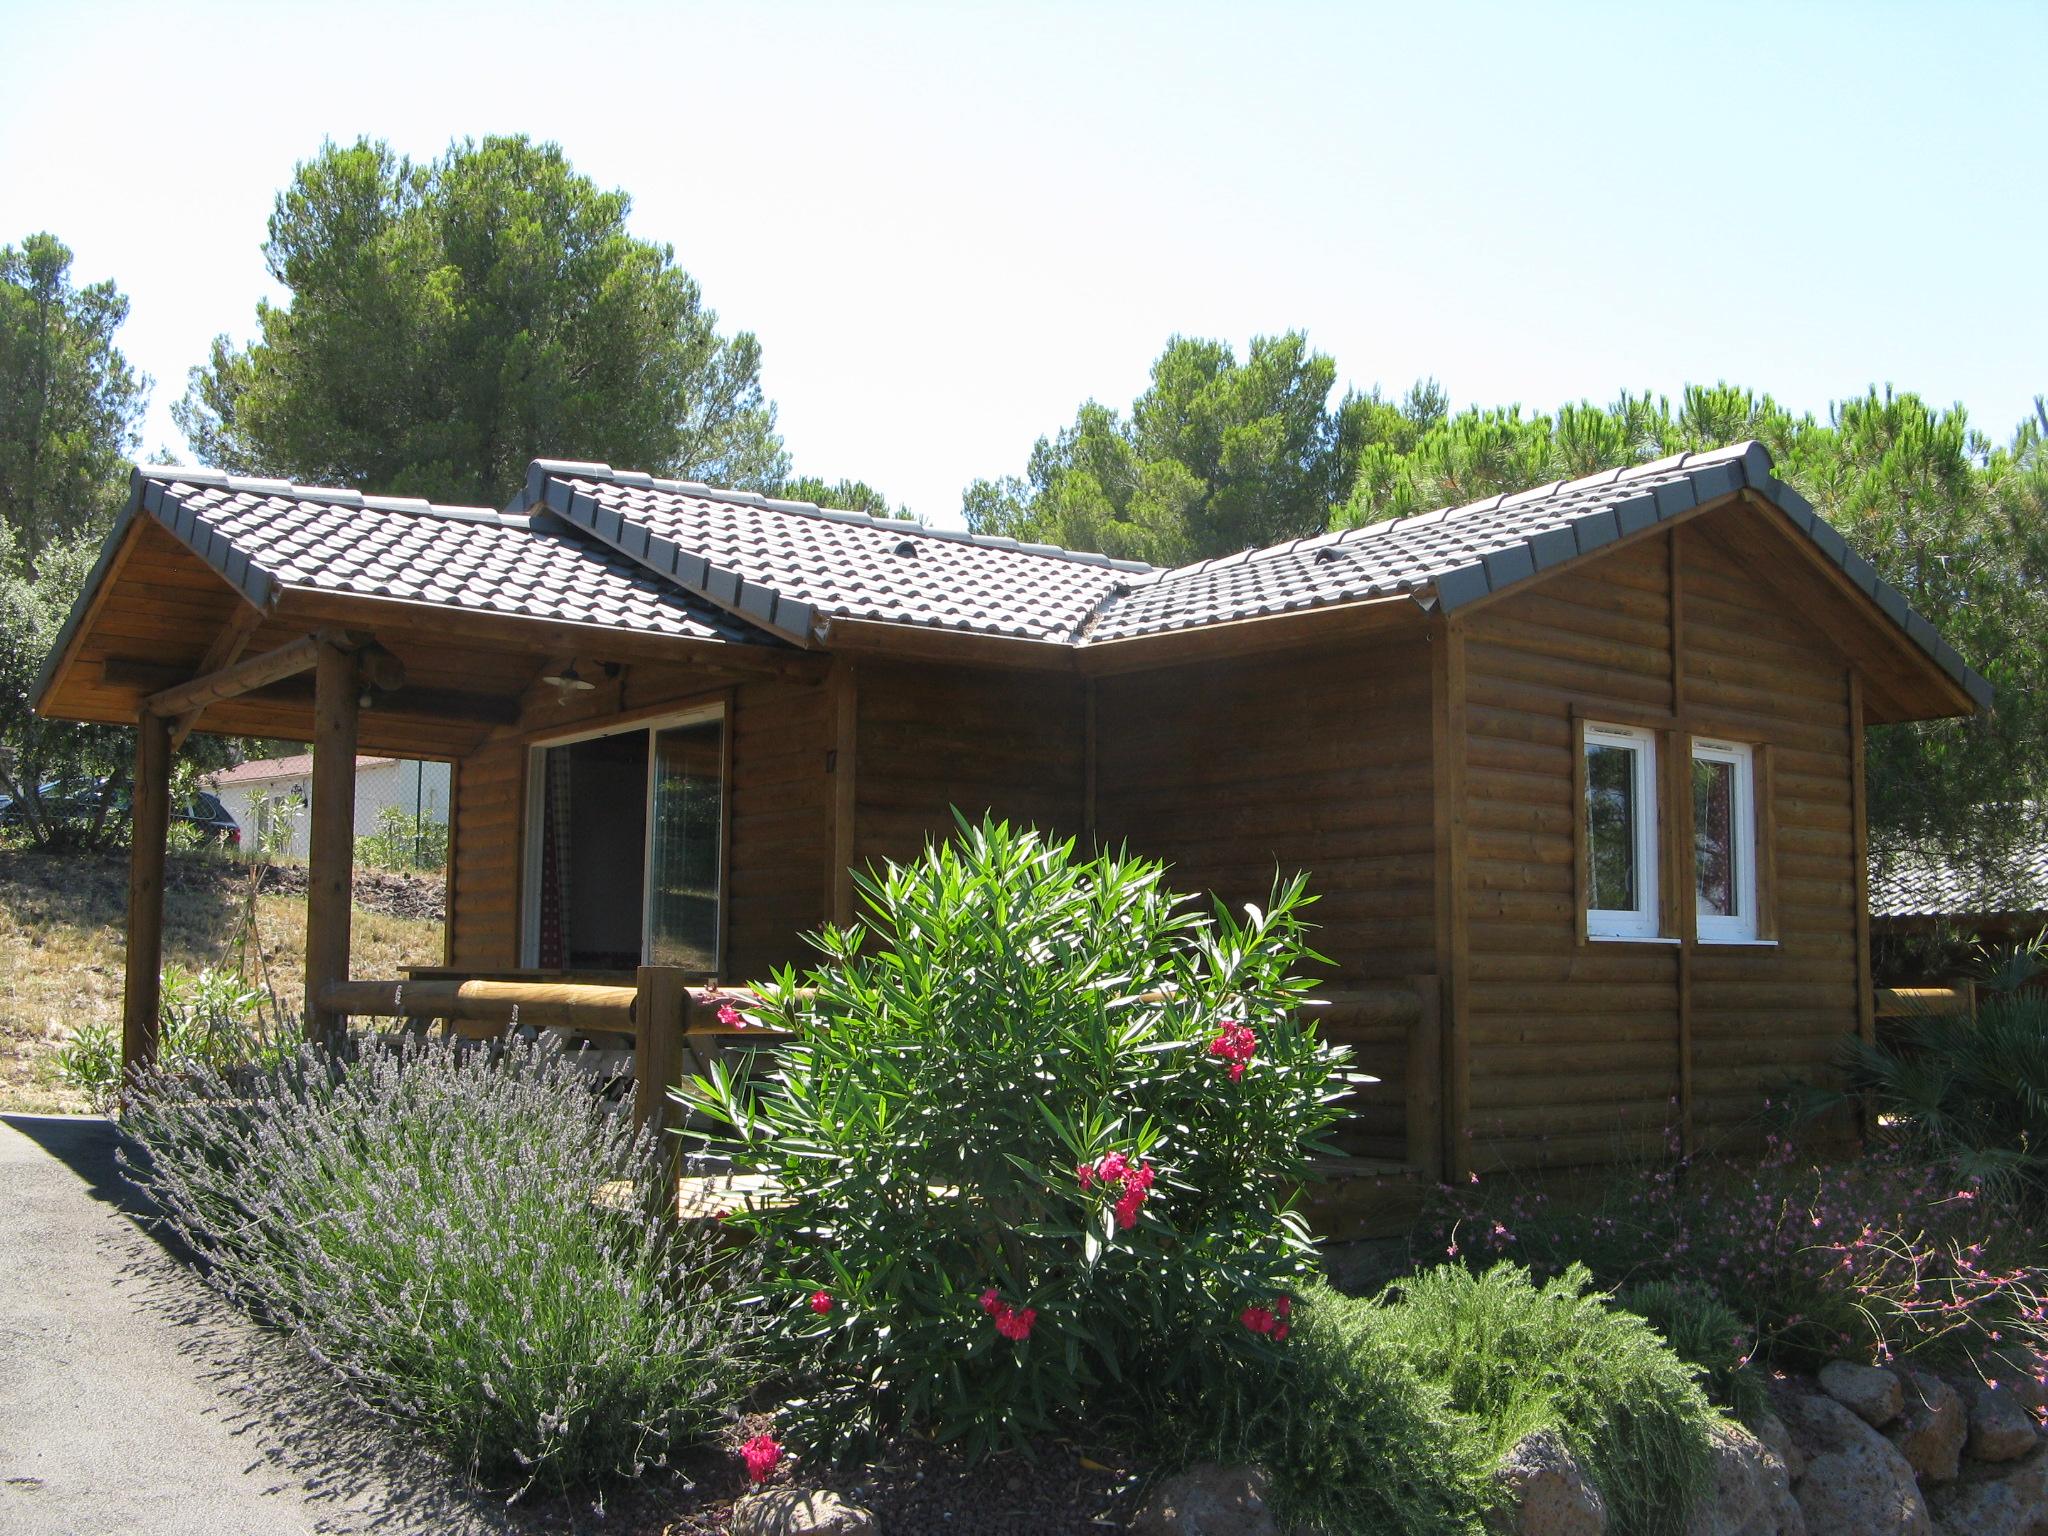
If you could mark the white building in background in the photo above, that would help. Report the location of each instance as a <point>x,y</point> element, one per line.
<point>274,792</point>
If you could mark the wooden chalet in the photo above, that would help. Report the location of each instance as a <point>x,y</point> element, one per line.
<point>1577,773</point>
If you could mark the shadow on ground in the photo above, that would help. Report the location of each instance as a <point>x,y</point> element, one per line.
<point>359,1473</point>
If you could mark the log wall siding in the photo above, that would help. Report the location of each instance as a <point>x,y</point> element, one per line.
<point>1317,760</point>
<point>778,818</point>
<point>1584,1052</point>
<point>931,738</point>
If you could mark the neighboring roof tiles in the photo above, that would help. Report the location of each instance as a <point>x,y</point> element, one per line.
<point>1911,882</point>
<point>266,770</point>
<point>785,564</point>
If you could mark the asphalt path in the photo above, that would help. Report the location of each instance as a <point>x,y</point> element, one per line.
<point>132,1400</point>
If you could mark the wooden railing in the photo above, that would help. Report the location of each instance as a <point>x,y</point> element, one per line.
<point>1910,1002</point>
<point>671,1024</point>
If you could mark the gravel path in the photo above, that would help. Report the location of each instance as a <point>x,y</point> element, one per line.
<point>132,1400</point>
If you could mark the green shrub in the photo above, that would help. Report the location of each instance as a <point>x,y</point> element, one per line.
<point>1971,1092</point>
<point>403,841</point>
<point>1518,1357</point>
<point>1037,1134</point>
<point>209,1018</point>
<point>1354,1438</point>
<point>1705,1333</point>
<point>423,1221</point>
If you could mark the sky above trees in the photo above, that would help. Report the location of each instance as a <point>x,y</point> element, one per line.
<point>948,225</point>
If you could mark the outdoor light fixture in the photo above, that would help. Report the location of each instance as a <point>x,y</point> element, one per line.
<point>569,680</point>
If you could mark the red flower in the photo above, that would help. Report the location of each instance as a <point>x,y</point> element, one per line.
<point>1256,1320</point>
<point>1085,1172</point>
<point>990,1301</point>
<point>1280,1332</point>
<point>1015,1325</point>
<point>731,1017</point>
<point>1237,1044</point>
<point>1114,1169</point>
<point>821,1302</point>
<point>1284,1305</point>
<point>761,1453</point>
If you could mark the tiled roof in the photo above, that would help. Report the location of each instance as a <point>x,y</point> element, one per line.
<point>1910,882</point>
<point>269,534</point>
<point>784,564</point>
<point>265,770</point>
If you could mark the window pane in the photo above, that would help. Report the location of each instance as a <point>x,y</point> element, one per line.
<point>1713,816</point>
<point>682,876</point>
<point>1611,812</point>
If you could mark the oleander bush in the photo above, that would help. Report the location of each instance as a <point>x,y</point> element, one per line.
<point>467,1238</point>
<point>1037,1136</point>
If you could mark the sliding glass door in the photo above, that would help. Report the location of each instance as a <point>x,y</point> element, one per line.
<point>686,813</point>
<point>624,856</point>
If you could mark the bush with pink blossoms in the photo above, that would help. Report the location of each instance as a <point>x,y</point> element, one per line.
<point>1871,1257</point>
<point>1002,1138</point>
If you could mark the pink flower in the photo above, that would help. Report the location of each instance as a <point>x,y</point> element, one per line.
<point>1015,1325</point>
<point>762,1453</point>
<point>990,1301</point>
<point>1284,1305</point>
<point>1126,1207</point>
<point>1280,1332</point>
<point>1117,1169</point>
<point>1256,1320</point>
<point>1237,1044</point>
<point>1085,1172</point>
<point>731,1017</point>
<point>821,1302</point>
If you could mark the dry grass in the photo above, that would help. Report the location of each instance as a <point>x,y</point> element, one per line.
<point>62,942</point>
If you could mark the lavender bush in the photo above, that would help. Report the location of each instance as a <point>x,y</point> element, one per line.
<point>424,1221</point>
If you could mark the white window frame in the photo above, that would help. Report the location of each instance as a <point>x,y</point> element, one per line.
<point>1645,919</point>
<point>529,894</point>
<point>1741,928</point>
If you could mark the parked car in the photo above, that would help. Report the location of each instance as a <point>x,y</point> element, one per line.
<point>78,799</point>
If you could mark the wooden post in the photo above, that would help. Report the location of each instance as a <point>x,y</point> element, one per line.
<point>845,794</point>
<point>142,1003</point>
<point>661,1013</point>
<point>1423,1079</point>
<point>1859,853</point>
<point>330,861</point>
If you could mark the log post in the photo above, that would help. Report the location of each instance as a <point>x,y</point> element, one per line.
<point>142,1003</point>
<point>1423,1079</point>
<point>330,861</point>
<point>661,1012</point>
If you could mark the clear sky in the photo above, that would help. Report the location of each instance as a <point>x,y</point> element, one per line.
<point>951,223</point>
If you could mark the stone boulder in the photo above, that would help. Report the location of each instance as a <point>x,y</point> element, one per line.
<point>1778,1439</point>
<point>1751,1493</point>
<point>793,1512</point>
<point>2007,1500</point>
<point>2001,1428</point>
<point>1873,1394</point>
<point>1929,1433</point>
<point>1208,1500</point>
<point>1539,1489</point>
<point>1856,1482</point>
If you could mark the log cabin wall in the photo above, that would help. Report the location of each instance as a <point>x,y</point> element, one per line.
<point>931,738</point>
<point>778,820</point>
<point>1579,1052</point>
<point>1316,760</point>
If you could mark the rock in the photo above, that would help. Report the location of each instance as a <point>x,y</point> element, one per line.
<point>1208,1500</point>
<point>1929,1434</point>
<point>1750,1495</point>
<point>792,1512</point>
<point>1871,1393</point>
<point>2000,1428</point>
<point>1540,1490</point>
<point>1856,1482</point>
<point>2009,1500</point>
<point>1772,1431</point>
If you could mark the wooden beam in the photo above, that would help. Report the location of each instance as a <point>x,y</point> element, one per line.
<point>661,1012</point>
<point>231,682</point>
<point>845,788</point>
<point>330,864</point>
<point>545,1005</point>
<point>225,651</point>
<point>142,1001</point>
<point>1453,897</point>
<point>1859,821</point>
<point>444,624</point>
